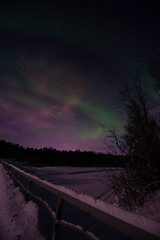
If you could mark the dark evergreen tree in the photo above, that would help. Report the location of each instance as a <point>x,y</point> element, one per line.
<point>53,157</point>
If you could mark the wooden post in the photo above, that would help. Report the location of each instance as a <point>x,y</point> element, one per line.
<point>28,190</point>
<point>11,172</point>
<point>57,217</point>
<point>18,180</point>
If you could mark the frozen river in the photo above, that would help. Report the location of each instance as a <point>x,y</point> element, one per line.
<point>91,181</point>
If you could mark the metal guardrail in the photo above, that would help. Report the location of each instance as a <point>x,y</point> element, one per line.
<point>121,226</point>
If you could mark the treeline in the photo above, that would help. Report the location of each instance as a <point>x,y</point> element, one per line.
<point>53,157</point>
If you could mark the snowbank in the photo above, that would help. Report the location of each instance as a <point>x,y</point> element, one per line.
<point>18,220</point>
<point>134,219</point>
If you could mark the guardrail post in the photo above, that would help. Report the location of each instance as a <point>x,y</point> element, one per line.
<point>57,217</point>
<point>28,190</point>
<point>18,180</point>
<point>11,171</point>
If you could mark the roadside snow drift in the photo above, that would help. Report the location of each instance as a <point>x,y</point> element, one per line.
<point>19,220</point>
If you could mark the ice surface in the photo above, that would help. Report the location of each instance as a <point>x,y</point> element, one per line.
<point>80,179</point>
<point>94,182</point>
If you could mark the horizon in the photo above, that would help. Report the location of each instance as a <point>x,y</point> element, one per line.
<point>52,148</point>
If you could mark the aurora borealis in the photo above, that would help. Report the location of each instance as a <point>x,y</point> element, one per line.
<point>62,66</point>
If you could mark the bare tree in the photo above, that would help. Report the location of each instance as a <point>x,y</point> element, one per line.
<point>141,144</point>
<point>154,70</point>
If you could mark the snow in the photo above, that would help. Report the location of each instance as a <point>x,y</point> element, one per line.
<point>151,209</point>
<point>142,222</point>
<point>79,228</point>
<point>19,220</point>
<point>134,219</point>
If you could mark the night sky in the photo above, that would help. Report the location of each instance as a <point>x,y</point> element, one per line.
<point>62,66</point>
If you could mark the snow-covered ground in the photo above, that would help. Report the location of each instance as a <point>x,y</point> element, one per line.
<point>151,209</point>
<point>18,220</point>
<point>90,181</point>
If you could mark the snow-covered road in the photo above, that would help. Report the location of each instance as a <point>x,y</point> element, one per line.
<point>18,220</point>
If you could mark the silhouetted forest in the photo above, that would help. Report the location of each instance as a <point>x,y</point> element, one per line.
<point>53,157</point>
